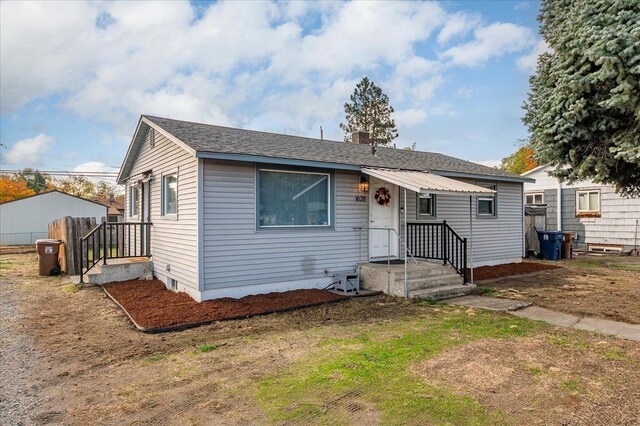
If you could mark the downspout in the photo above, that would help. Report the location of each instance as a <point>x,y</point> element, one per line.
<point>406,286</point>
<point>559,204</point>
<point>471,237</point>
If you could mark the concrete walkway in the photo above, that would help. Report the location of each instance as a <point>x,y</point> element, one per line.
<point>524,310</point>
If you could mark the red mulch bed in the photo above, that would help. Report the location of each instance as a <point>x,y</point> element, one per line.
<point>491,272</point>
<point>154,308</point>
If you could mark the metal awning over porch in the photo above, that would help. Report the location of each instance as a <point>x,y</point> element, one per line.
<point>423,182</point>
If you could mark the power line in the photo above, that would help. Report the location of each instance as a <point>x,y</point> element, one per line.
<point>62,173</point>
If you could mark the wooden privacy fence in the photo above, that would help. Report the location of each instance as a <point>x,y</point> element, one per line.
<point>70,230</point>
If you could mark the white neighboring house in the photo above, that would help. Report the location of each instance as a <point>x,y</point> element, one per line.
<point>25,220</point>
<point>600,218</point>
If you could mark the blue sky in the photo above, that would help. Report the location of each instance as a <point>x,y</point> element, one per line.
<point>75,76</point>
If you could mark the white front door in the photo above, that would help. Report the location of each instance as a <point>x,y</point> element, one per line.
<point>383,243</point>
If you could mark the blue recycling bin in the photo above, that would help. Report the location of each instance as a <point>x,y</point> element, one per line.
<point>550,244</point>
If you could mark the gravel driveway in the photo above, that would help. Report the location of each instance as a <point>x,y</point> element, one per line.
<point>18,362</point>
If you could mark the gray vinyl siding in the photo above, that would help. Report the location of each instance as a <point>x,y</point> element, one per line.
<point>237,254</point>
<point>174,241</point>
<point>496,239</point>
<point>616,224</point>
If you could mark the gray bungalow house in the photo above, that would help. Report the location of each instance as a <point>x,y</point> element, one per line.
<point>236,212</point>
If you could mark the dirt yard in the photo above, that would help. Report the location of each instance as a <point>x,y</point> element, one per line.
<point>68,355</point>
<point>604,287</point>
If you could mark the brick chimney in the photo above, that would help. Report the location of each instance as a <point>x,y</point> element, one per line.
<point>360,138</point>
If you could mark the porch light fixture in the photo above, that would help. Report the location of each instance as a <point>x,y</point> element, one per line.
<point>363,186</point>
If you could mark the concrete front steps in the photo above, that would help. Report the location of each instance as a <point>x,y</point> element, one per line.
<point>427,280</point>
<point>120,270</point>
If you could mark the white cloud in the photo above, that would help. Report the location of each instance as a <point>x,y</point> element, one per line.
<point>410,117</point>
<point>425,90</point>
<point>465,92</point>
<point>252,64</point>
<point>528,62</point>
<point>491,41</point>
<point>97,166</point>
<point>359,36</point>
<point>29,151</point>
<point>443,108</point>
<point>457,25</point>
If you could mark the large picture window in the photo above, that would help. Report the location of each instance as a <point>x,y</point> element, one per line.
<point>289,199</point>
<point>133,201</point>
<point>426,206</point>
<point>487,203</point>
<point>169,195</point>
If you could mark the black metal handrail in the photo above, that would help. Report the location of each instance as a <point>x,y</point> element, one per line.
<point>438,241</point>
<point>113,240</point>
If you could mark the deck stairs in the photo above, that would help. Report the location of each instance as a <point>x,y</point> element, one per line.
<point>426,280</point>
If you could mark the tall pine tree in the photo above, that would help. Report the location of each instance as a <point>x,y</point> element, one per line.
<point>369,111</point>
<point>583,111</point>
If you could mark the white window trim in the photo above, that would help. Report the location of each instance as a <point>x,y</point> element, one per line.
<point>329,223</point>
<point>533,194</point>
<point>134,187</point>
<point>493,198</point>
<point>434,204</point>
<point>163,211</point>
<point>588,191</point>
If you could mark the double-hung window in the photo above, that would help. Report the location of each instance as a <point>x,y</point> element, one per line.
<point>534,198</point>
<point>293,199</point>
<point>426,206</point>
<point>588,202</point>
<point>487,203</point>
<point>170,195</point>
<point>133,200</point>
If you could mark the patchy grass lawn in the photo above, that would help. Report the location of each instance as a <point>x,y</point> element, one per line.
<point>599,286</point>
<point>382,361</point>
<point>373,369</point>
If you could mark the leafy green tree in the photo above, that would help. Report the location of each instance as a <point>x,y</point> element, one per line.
<point>34,180</point>
<point>583,110</point>
<point>369,111</point>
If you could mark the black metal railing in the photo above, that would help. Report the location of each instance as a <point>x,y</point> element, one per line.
<point>440,242</point>
<point>114,240</point>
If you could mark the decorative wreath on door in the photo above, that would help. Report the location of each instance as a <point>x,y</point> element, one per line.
<point>383,196</point>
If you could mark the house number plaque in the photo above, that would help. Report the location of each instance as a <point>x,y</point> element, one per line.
<point>361,198</point>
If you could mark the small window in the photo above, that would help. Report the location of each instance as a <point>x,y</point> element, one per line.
<point>426,206</point>
<point>291,199</point>
<point>588,201</point>
<point>169,195</point>
<point>173,284</point>
<point>133,200</point>
<point>487,203</point>
<point>534,198</point>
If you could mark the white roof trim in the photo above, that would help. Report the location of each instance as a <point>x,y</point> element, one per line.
<point>134,147</point>
<point>424,182</point>
<point>535,169</point>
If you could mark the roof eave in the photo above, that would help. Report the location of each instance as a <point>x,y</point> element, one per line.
<point>515,179</point>
<point>276,160</point>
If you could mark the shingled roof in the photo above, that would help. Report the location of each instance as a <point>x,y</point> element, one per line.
<point>209,139</point>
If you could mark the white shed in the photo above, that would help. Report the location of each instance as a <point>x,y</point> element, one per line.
<point>25,220</point>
